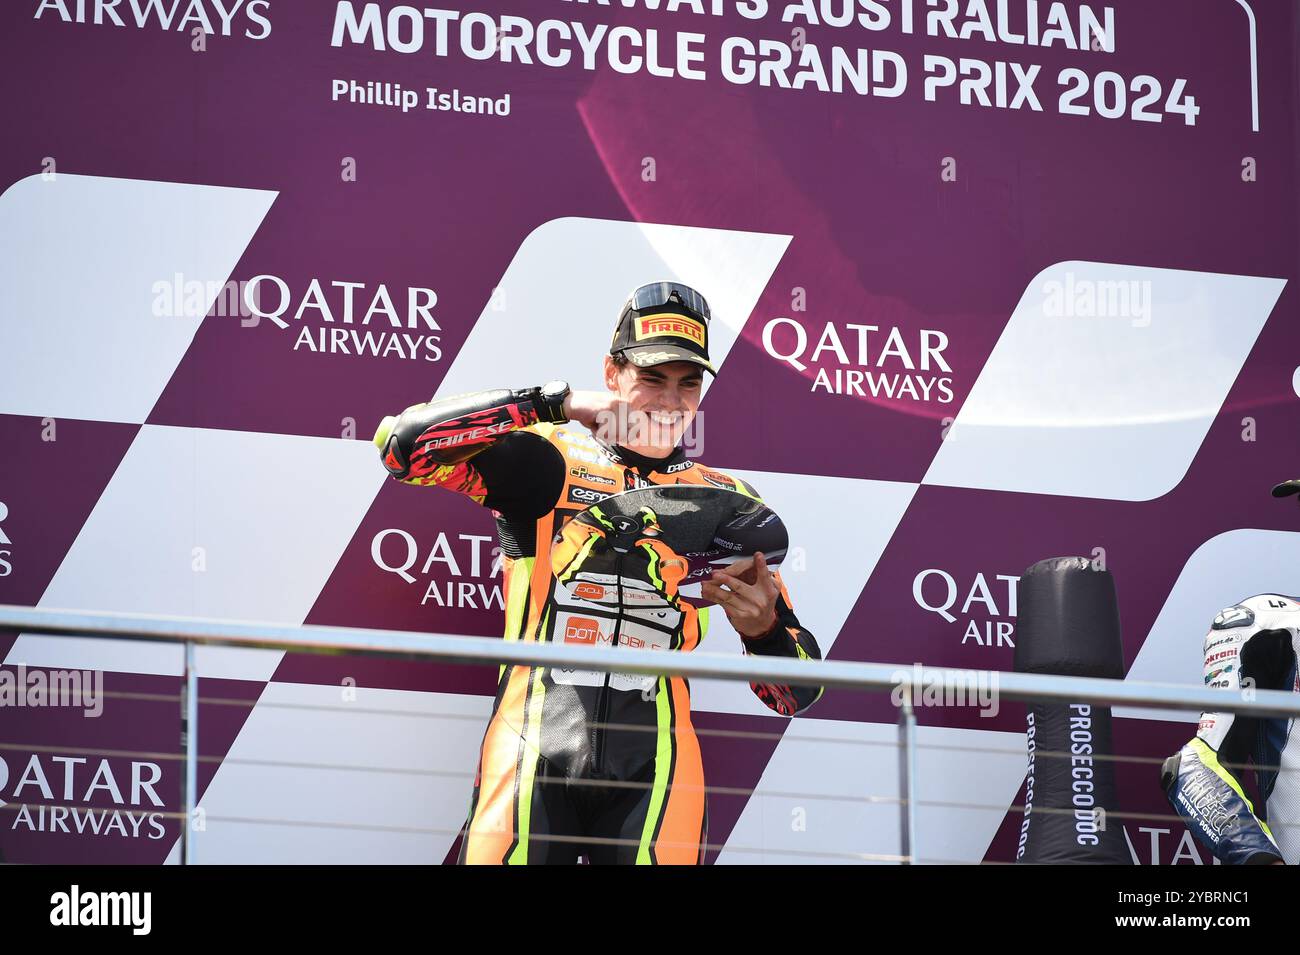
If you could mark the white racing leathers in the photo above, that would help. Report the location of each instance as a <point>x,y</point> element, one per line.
<point>1253,645</point>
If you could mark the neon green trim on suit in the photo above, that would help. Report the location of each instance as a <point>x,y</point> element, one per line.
<point>652,567</point>
<point>521,574</point>
<point>599,515</point>
<point>1210,760</point>
<point>532,745</point>
<point>663,763</point>
<point>580,558</point>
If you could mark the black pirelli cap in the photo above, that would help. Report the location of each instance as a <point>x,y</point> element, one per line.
<point>663,322</point>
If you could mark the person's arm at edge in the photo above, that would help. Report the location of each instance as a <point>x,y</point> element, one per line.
<point>1203,780</point>
<point>787,637</point>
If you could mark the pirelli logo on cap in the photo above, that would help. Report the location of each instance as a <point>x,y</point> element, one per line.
<point>677,326</point>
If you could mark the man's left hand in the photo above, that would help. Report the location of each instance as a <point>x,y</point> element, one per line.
<point>747,592</point>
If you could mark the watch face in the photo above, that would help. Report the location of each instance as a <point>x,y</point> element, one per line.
<point>553,389</point>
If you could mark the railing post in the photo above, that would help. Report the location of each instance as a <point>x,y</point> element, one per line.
<point>190,740</point>
<point>907,778</point>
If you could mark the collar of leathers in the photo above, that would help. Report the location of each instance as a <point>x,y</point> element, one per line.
<point>621,455</point>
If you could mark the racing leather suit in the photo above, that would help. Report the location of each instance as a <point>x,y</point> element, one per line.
<point>1253,644</point>
<point>574,762</point>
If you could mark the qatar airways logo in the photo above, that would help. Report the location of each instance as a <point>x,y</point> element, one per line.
<point>54,795</point>
<point>197,17</point>
<point>984,606</point>
<point>464,574</point>
<point>864,361</point>
<point>332,317</point>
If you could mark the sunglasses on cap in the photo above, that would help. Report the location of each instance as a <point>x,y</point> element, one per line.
<point>659,294</point>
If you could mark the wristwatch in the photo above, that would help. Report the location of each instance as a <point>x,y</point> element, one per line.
<point>550,405</point>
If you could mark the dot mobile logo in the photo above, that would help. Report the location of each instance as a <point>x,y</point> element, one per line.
<point>75,907</point>
<point>586,631</point>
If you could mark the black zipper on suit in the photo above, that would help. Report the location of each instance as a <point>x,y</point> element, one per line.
<point>602,700</point>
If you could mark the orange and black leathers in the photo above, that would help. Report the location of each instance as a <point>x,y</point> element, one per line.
<point>552,734</point>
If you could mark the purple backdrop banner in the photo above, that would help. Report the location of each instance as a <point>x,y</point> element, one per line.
<point>992,282</point>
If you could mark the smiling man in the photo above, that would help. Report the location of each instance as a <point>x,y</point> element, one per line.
<point>575,764</point>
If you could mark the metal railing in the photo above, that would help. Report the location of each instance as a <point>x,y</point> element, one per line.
<point>908,680</point>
